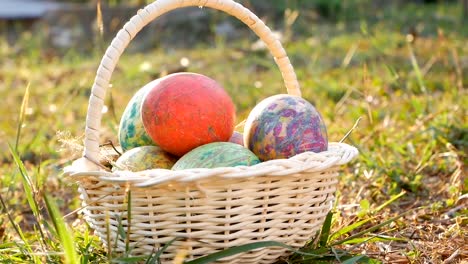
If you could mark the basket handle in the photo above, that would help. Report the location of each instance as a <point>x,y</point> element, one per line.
<point>144,17</point>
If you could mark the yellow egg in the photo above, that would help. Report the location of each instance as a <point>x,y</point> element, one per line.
<point>145,158</point>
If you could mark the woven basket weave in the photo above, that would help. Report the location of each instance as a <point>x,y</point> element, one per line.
<point>208,210</point>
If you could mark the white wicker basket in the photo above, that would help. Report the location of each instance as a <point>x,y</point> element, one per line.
<point>208,210</point>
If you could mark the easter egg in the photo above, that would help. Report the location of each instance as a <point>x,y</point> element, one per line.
<point>282,126</point>
<point>131,130</point>
<point>145,158</point>
<point>217,154</point>
<point>187,110</point>
<point>237,138</point>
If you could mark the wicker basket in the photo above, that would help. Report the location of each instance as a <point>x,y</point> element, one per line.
<point>208,210</point>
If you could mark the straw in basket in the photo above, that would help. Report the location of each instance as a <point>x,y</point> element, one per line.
<point>207,210</point>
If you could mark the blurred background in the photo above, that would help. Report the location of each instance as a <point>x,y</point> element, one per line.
<point>57,26</point>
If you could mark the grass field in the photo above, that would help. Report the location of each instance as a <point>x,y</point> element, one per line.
<point>403,71</point>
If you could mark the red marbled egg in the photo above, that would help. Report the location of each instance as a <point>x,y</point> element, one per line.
<point>187,110</point>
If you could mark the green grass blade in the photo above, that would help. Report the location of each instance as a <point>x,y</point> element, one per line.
<point>108,238</point>
<point>157,255</point>
<point>19,232</point>
<point>235,250</point>
<point>128,259</point>
<point>7,245</point>
<point>84,252</point>
<point>27,183</point>
<point>353,260</point>
<point>152,259</point>
<point>315,251</point>
<point>366,239</point>
<point>65,236</point>
<point>120,230</point>
<point>24,105</point>
<point>29,190</point>
<point>417,69</point>
<point>245,248</point>
<point>393,72</point>
<point>129,222</point>
<point>371,229</point>
<point>351,130</point>
<point>358,224</point>
<point>391,200</point>
<point>325,233</point>
<point>84,259</point>
<point>348,229</point>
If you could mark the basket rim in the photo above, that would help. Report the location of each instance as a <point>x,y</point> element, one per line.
<point>336,155</point>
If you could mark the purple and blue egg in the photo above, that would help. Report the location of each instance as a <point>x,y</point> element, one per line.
<point>237,138</point>
<point>282,126</point>
<point>217,154</point>
<point>131,130</point>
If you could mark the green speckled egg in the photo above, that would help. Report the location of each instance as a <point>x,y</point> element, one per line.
<point>131,130</point>
<point>145,158</point>
<point>217,154</point>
